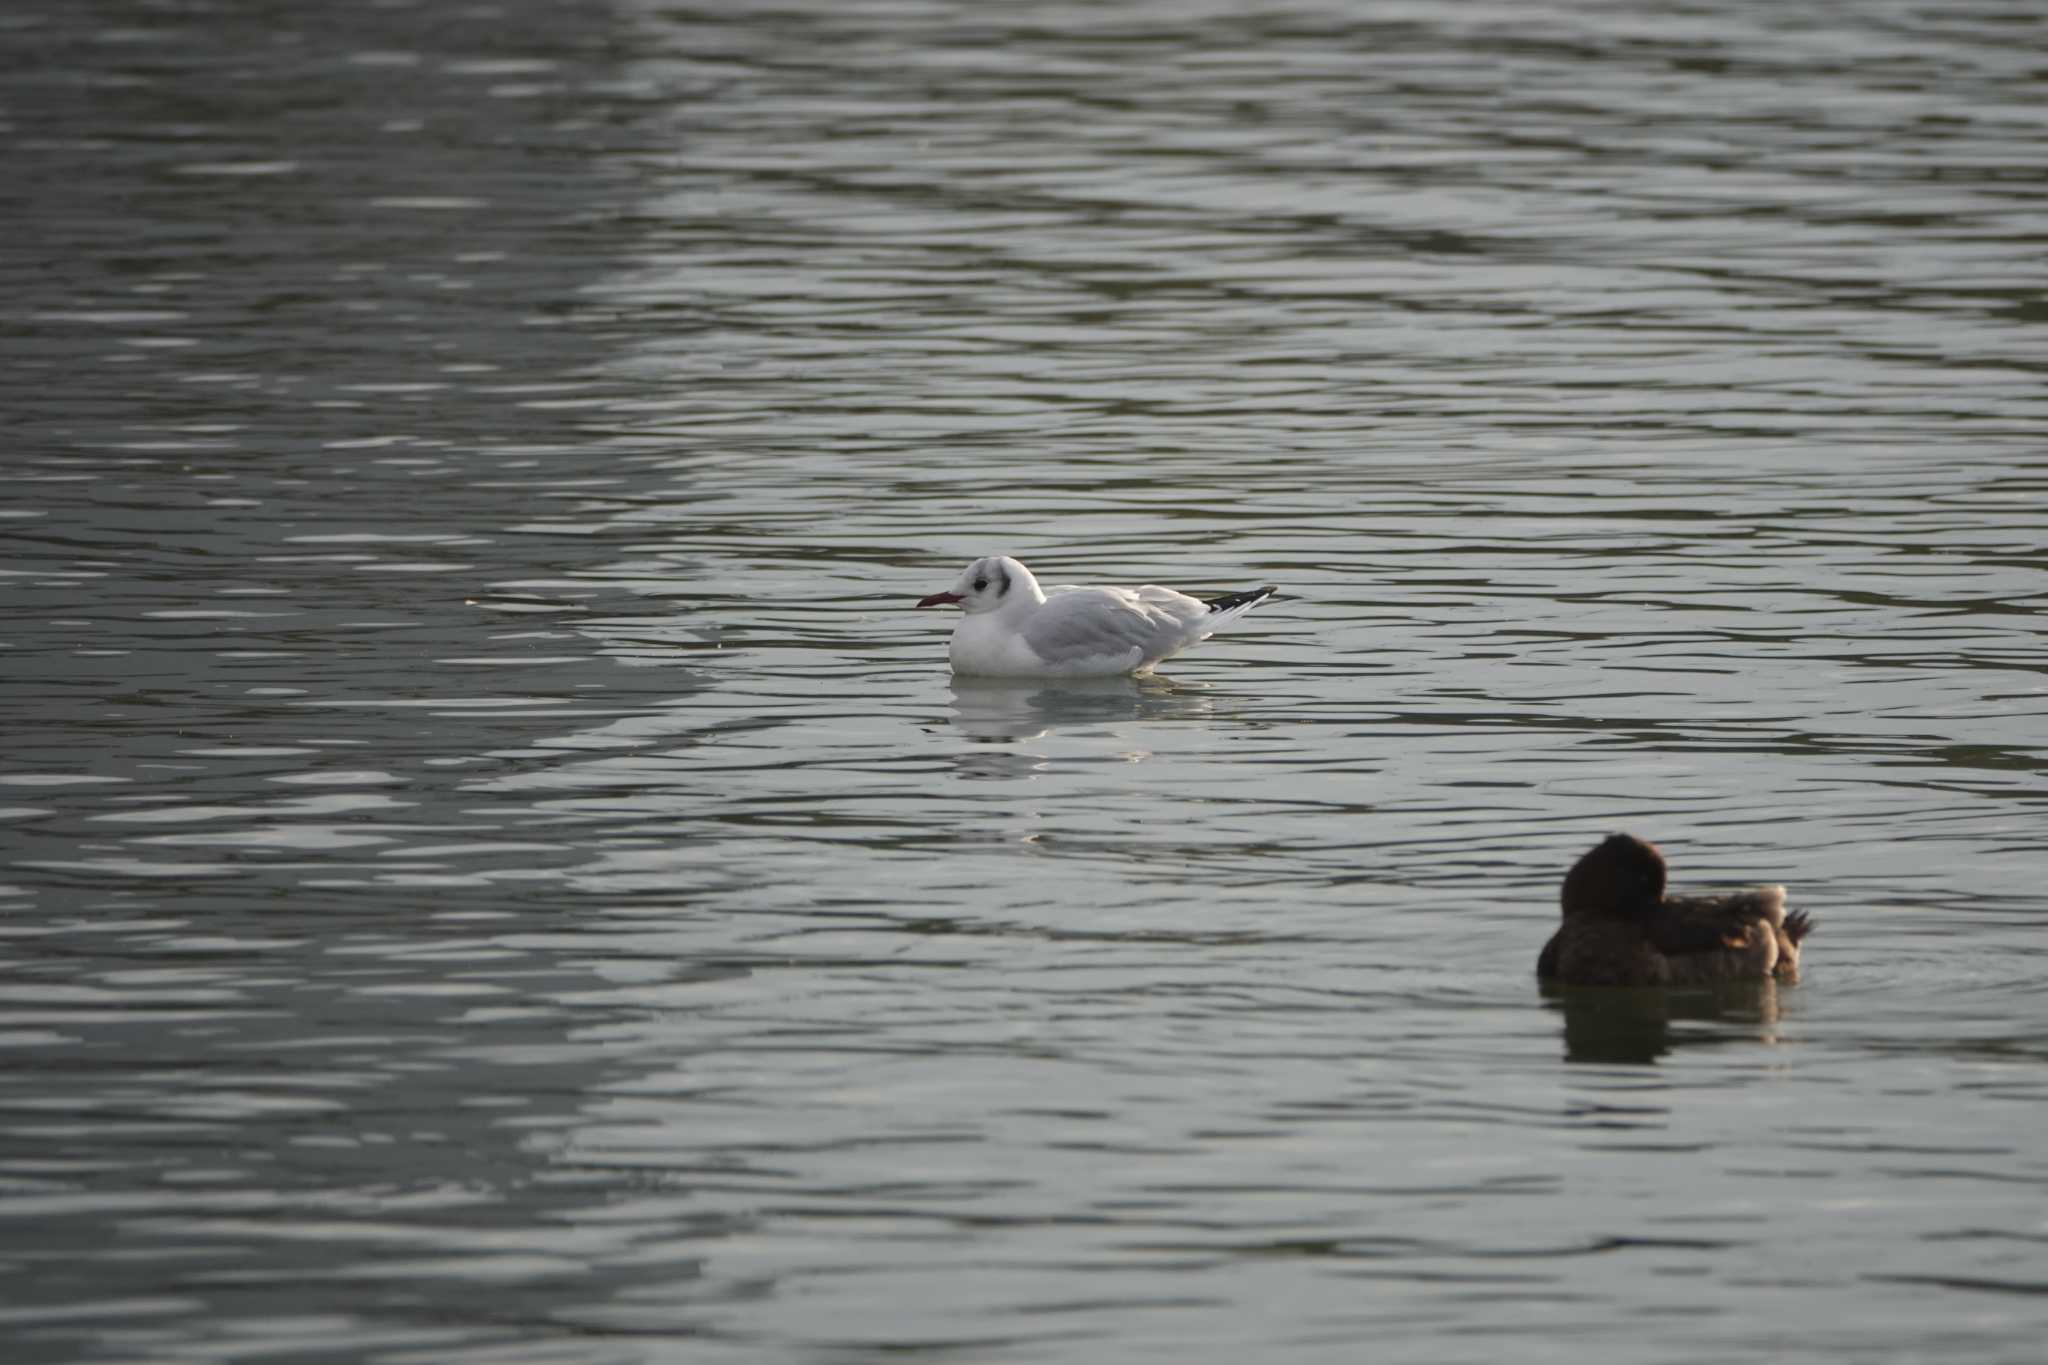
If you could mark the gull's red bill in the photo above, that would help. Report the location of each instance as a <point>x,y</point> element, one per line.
<point>940,599</point>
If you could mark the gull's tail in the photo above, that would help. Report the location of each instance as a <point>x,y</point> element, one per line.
<point>1224,610</point>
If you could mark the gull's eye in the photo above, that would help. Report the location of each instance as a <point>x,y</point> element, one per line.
<point>981,585</point>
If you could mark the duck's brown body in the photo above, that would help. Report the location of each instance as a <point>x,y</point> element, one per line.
<point>1620,929</point>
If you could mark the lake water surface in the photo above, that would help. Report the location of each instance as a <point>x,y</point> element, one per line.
<point>493,870</point>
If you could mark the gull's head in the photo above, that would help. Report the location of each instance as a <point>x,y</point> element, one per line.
<point>988,584</point>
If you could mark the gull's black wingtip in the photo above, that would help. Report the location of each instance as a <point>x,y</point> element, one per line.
<point>1242,599</point>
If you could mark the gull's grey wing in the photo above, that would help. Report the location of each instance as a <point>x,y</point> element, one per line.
<point>1089,623</point>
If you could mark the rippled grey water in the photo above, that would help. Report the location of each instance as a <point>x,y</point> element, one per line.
<point>494,871</point>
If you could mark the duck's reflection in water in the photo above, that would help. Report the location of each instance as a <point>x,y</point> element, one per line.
<point>1639,1025</point>
<point>1001,711</point>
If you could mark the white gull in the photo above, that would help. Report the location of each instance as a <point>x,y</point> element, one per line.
<point>1014,628</point>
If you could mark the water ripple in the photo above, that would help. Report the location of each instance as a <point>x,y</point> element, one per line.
<point>482,815</point>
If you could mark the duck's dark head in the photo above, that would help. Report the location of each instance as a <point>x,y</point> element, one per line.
<point>1621,875</point>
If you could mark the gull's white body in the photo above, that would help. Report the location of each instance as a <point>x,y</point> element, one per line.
<point>1014,628</point>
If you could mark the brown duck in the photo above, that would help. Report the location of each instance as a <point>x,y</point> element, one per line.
<point>1620,929</point>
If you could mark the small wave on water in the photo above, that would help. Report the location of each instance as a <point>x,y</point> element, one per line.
<point>495,869</point>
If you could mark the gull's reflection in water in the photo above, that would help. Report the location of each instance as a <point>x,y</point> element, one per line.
<point>999,711</point>
<point>1618,1024</point>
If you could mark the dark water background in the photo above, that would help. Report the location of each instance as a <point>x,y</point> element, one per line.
<point>492,871</point>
